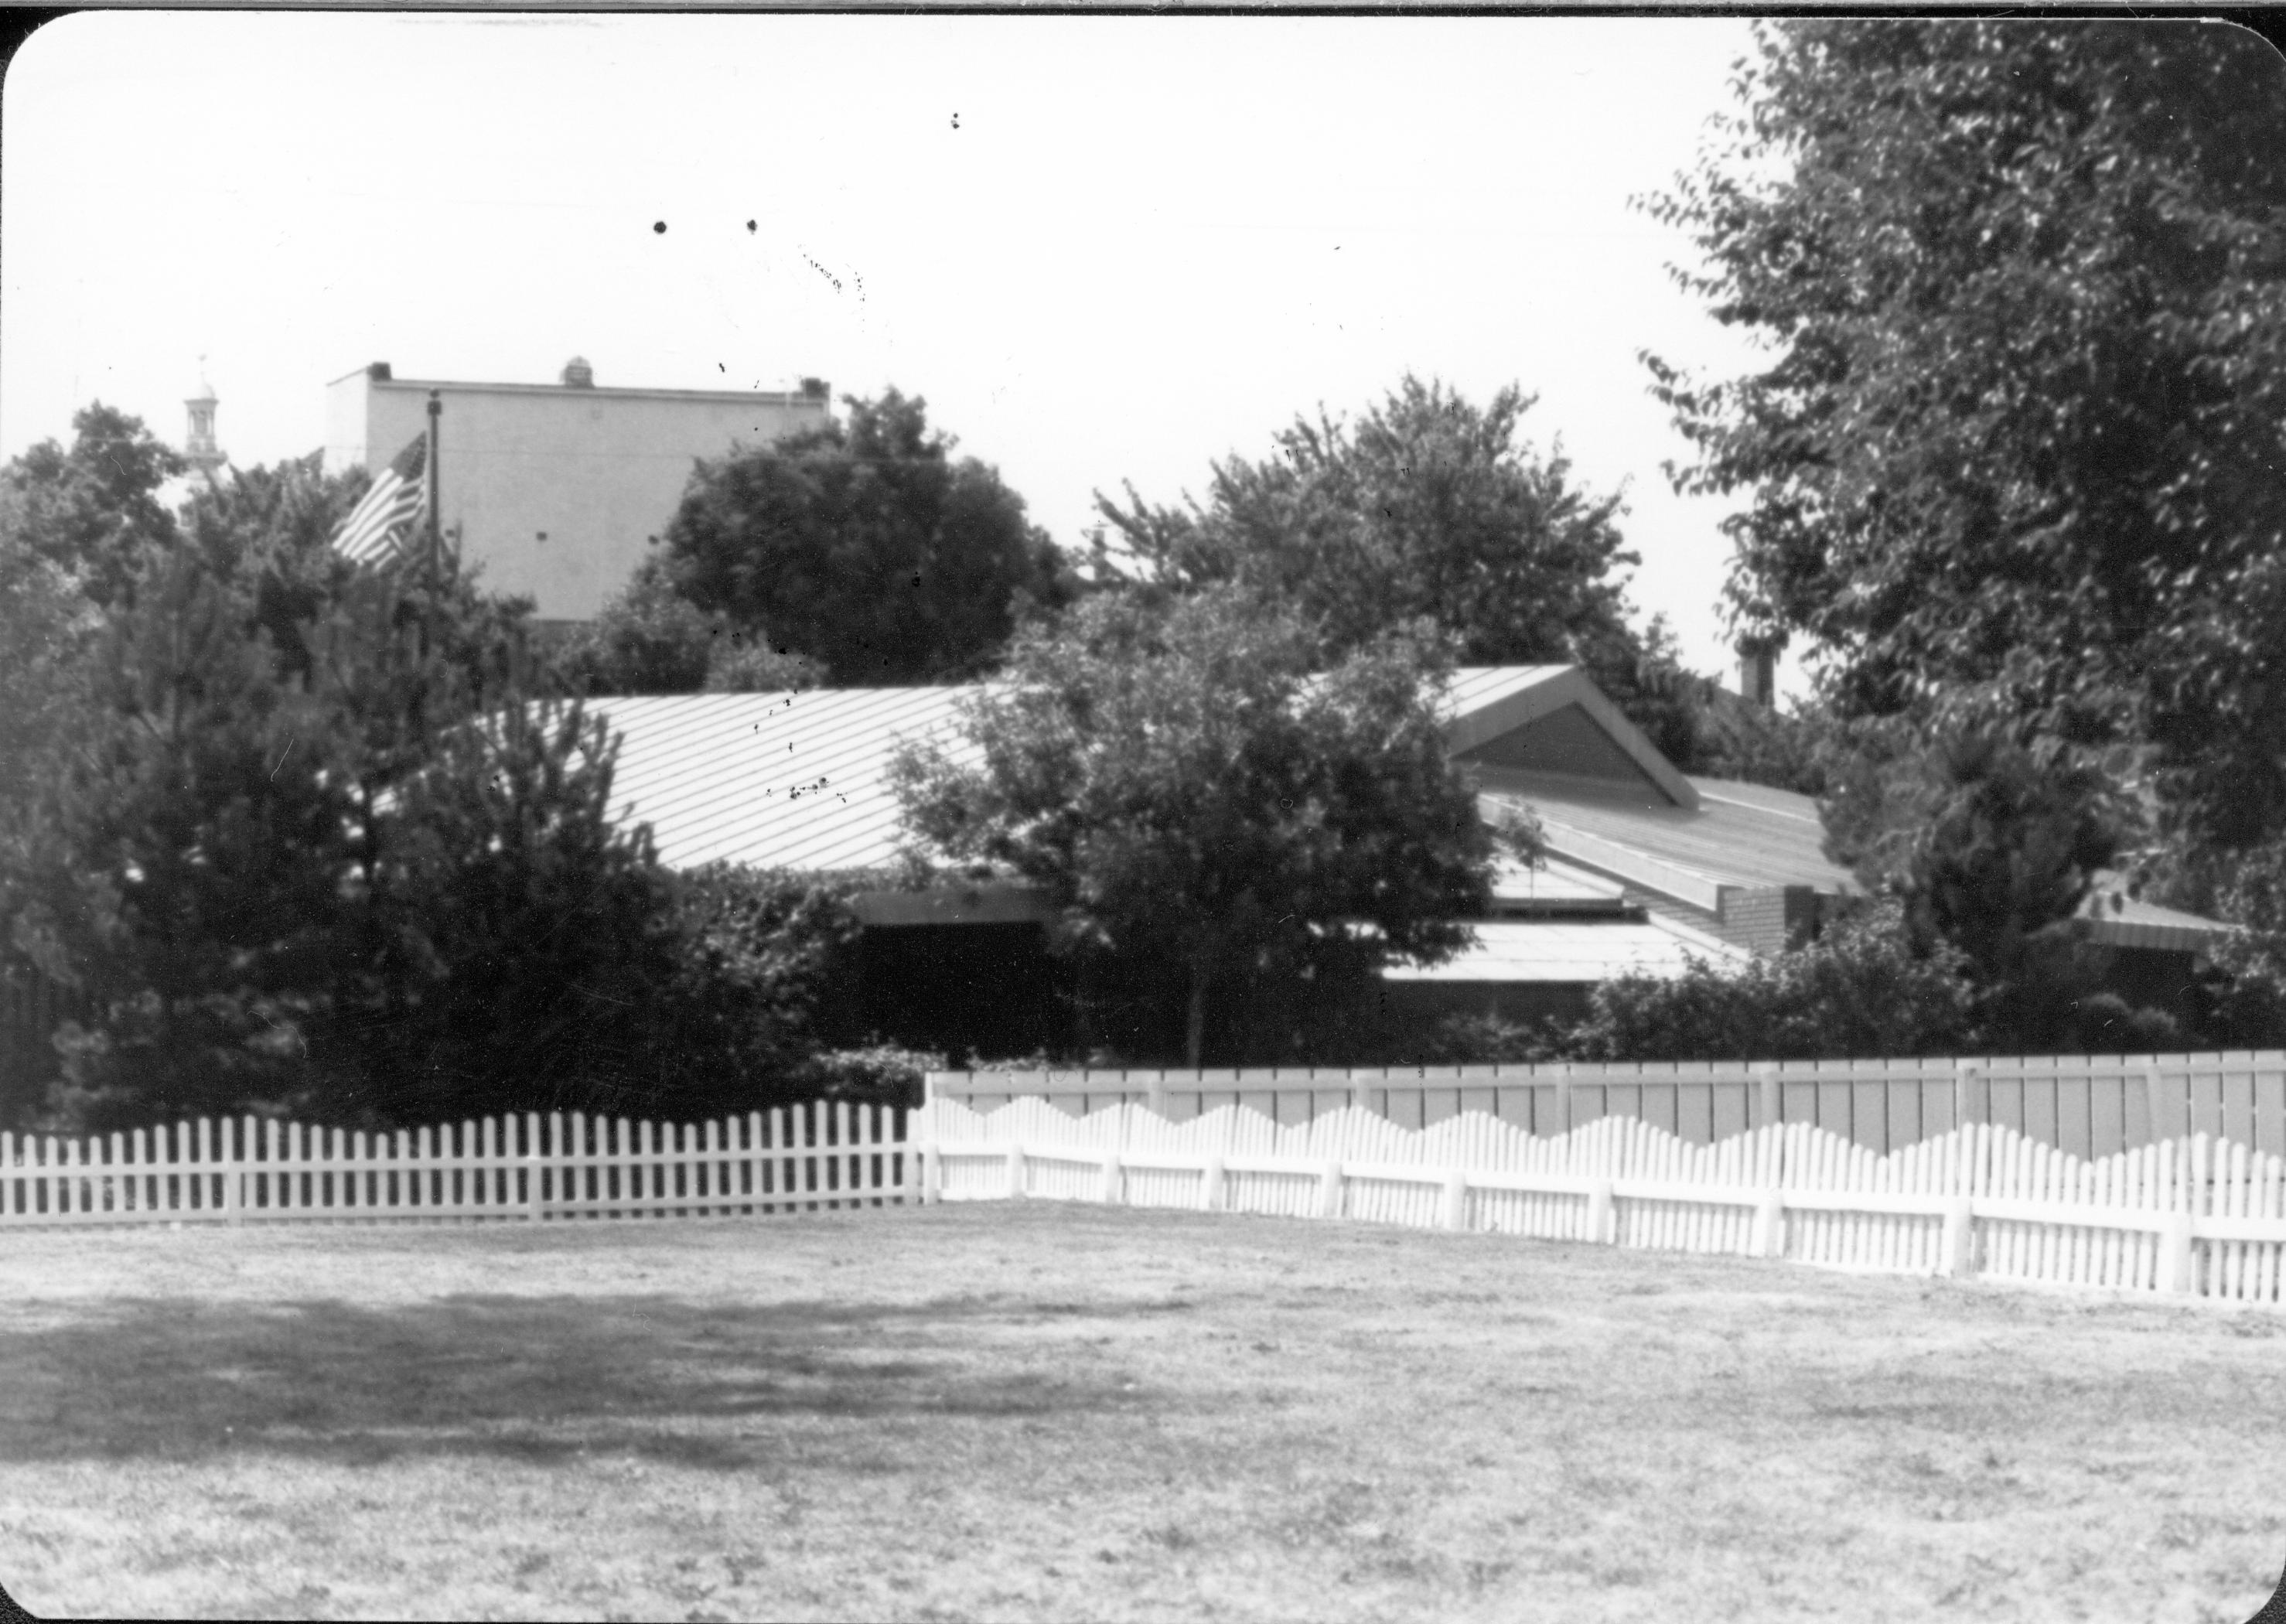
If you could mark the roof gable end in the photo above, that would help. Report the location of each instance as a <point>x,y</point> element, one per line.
<point>1555,719</point>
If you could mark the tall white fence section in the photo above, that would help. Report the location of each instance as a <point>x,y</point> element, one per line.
<point>2190,1214</point>
<point>518,1168</point>
<point>2088,1105</point>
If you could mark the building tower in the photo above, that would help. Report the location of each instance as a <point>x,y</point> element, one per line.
<point>199,447</point>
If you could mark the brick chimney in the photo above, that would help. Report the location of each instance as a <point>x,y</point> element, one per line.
<point>1758,675</point>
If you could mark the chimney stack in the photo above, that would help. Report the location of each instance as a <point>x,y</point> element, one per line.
<point>577,373</point>
<point>1758,675</point>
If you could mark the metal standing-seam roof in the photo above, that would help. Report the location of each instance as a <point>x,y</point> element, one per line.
<point>1552,951</point>
<point>797,780</point>
<point>1476,688</point>
<point>1685,852</point>
<point>2129,922</point>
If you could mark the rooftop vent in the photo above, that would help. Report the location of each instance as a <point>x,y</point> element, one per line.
<point>378,372</point>
<point>577,373</point>
<point>813,388</point>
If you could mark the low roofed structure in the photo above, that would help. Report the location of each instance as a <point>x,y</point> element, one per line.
<point>1648,869</point>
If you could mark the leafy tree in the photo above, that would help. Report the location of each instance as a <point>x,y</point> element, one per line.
<point>2249,991</point>
<point>2013,457</point>
<point>1218,826</point>
<point>866,546</point>
<point>93,510</point>
<point>1786,750</point>
<point>767,958</point>
<point>1425,509</point>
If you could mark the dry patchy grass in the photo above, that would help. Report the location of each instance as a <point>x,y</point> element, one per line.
<point>1048,1412</point>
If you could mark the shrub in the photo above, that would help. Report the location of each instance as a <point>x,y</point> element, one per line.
<point>764,952</point>
<point>647,640</point>
<point>881,1075</point>
<point>742,663</point>
<point>1858,990</point>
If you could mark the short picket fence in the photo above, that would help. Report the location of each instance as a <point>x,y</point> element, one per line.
<point>533,1167</point>
<point>2191,1216</point>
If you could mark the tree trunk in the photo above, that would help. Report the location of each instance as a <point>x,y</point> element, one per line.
<point>1194,1026</point>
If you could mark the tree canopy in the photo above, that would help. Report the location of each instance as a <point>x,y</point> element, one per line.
<point>1427,508</point>
<point>866,546</point>
<point>2014,454</point>
<point>92,508</point>
<point>1230,835</point>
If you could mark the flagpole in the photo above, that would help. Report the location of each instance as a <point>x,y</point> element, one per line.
<point>436,537</point>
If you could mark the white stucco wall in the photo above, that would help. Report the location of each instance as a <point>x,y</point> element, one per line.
<point>555,490</point>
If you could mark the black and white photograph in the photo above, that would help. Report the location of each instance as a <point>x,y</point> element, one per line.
<point>1151,815</point>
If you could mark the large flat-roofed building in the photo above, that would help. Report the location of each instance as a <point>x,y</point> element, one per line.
<point>554,489</point>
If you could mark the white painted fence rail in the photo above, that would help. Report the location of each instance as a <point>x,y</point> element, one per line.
<point>2186,1215</point>
<point>520,1167</point>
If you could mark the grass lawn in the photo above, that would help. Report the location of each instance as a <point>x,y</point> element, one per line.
<point>1050,1412</point>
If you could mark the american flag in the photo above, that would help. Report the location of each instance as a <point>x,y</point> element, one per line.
<point>376,531</point>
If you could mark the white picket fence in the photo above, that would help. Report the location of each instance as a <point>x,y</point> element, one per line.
<point>527,1168</point>
<point>2193,1214</point>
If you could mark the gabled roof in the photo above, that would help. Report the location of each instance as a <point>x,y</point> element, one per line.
<point>799,780</point>
<point>1738,836</point>
<point>2124,921</point>
<point>1553,722</point>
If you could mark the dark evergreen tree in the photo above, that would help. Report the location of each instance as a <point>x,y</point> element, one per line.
<point>310,838</point>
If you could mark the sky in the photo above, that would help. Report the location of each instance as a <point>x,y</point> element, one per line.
<point>1104,249</point>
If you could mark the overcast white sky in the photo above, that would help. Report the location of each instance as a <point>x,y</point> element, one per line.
<point>1103,248</point>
